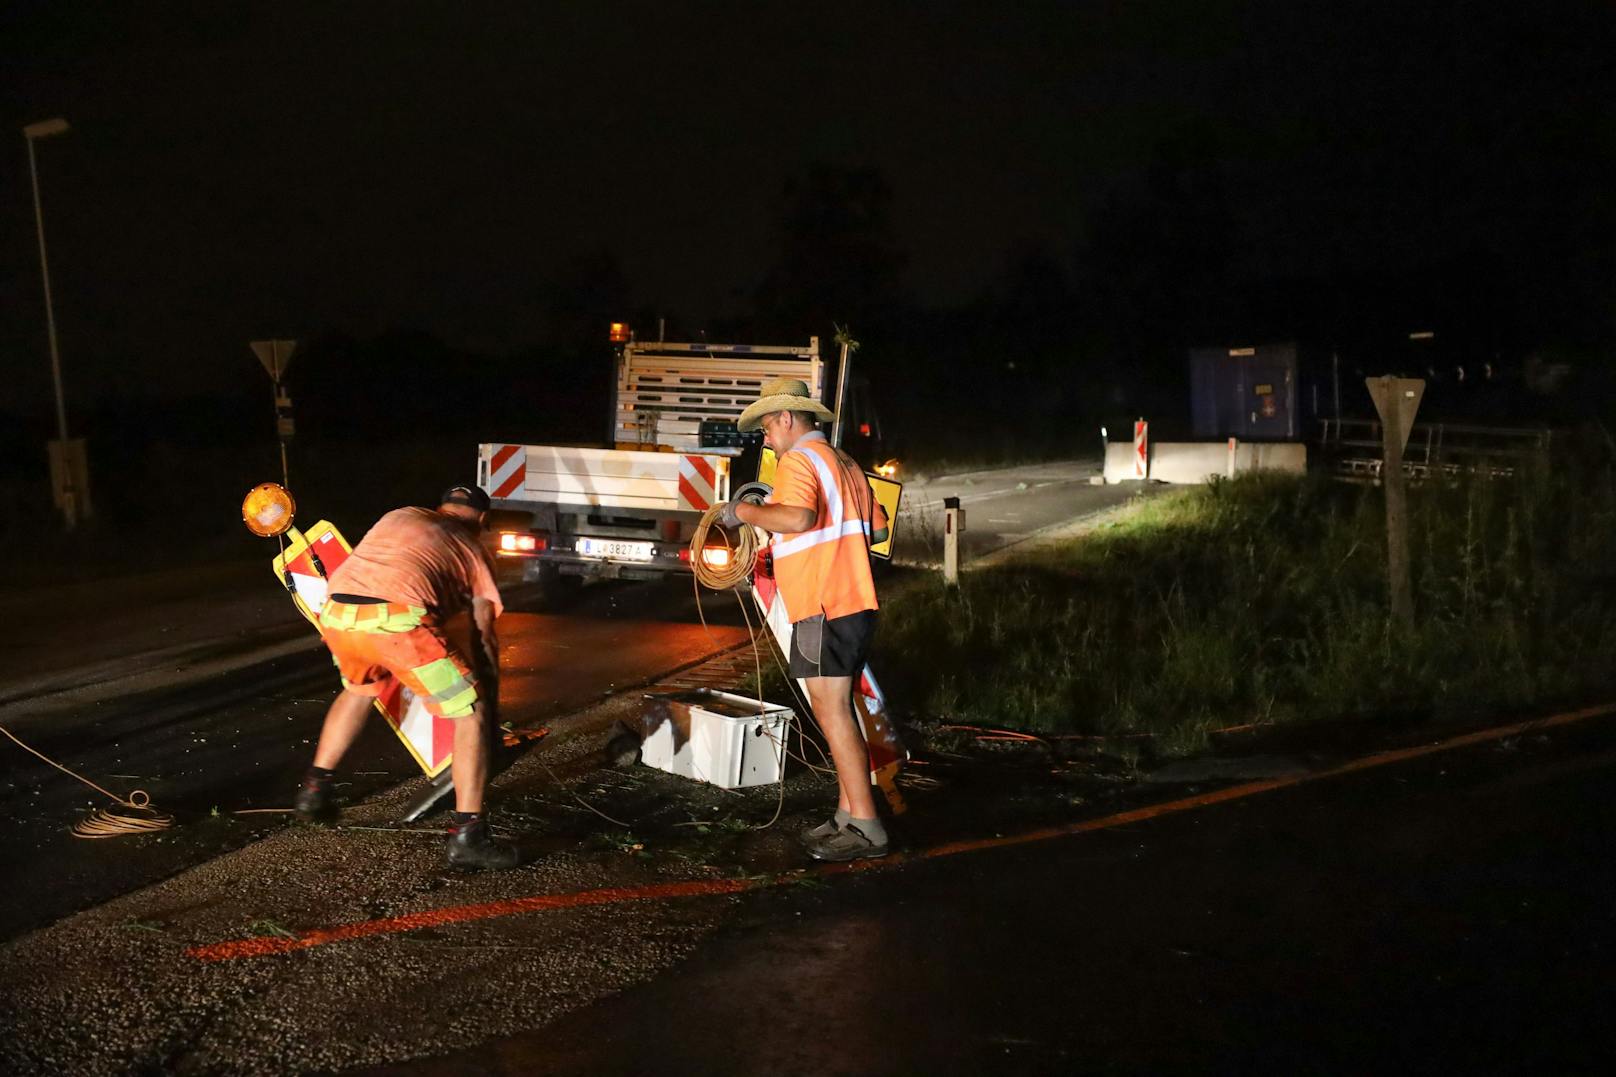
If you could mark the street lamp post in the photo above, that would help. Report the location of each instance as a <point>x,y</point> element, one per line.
<point>70,479</point>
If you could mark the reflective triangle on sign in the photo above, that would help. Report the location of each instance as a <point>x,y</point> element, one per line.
<point>1405,393</point>
<point>275,355</point>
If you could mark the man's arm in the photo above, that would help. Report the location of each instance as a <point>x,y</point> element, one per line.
<point>779,519</point>
<point>482,615</point>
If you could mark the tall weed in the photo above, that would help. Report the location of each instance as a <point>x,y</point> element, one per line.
<point>1263,598</point>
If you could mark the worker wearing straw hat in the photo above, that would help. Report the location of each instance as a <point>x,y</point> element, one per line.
<point>825,517</point>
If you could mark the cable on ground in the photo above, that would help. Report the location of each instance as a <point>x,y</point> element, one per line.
<point>133,815</point>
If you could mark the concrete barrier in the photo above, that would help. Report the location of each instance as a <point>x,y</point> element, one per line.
<point>1192,462</point>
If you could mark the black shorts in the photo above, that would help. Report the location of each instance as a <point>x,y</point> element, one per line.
<point>837,647</point>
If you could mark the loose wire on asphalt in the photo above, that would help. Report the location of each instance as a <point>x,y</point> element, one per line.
<point>108,822</point>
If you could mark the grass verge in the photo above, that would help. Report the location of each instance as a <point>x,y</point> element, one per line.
<point>1262,599</point>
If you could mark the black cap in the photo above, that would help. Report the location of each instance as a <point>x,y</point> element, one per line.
<point>470,496</point>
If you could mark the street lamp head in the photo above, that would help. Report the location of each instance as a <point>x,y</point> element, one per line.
<point>45,128</point>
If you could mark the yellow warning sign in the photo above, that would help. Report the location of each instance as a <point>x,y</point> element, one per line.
<point>888,493</point>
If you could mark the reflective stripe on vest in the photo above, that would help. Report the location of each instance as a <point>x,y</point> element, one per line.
<point>837,527</point>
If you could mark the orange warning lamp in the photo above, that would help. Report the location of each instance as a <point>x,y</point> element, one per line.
<point>267,510</point>
<point>620,333</point>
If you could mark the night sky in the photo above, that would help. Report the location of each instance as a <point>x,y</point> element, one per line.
<point>246,170</point>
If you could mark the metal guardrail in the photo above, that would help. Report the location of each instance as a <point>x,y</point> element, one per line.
<point>1353,448</point>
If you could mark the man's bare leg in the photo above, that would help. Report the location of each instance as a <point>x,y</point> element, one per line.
<point>832,700</point>
<point>343,724</point>
<point>470,764</point>
<point>316,800</point>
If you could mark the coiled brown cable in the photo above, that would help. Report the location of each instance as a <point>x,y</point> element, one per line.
<point>133,815</point>
<point>743,549</point>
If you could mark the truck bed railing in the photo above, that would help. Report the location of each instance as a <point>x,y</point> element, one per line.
<point>666,391</point>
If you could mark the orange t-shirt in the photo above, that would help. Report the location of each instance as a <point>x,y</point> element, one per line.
<point>421,558</point>
<point>826,568</point>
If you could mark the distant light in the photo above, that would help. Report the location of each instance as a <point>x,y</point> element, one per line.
<point>864,430</point>
<point>1423,334</point>
<point>1103,434</point>
<point>887,470</point>
<point>1239,352</point>
<point>620,333</point>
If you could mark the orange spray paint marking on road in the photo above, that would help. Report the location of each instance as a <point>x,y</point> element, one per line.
<point>458,914</point>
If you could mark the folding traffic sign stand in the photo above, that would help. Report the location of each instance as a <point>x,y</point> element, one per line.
<point>887,753</point>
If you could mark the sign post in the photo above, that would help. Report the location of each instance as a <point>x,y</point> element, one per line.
<point>276,356</point>
<point>70,478</point>
<point>1396,399</point>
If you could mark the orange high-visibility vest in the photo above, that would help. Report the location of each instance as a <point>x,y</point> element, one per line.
<point>825,569</point>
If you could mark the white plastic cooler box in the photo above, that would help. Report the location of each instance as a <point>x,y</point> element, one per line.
<point>718,737</point>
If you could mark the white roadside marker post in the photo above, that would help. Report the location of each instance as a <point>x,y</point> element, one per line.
<point>953,524</point>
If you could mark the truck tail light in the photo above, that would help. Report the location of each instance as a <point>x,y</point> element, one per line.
<point>517,543</point>
<point>711,556</point>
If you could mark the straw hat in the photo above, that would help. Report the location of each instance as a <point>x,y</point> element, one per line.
<point>782,394</point>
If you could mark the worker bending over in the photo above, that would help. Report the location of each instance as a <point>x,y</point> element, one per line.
<point>827,516</point>
<point>383,619</point>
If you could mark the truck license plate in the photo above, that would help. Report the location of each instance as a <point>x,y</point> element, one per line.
<point>615,549</point>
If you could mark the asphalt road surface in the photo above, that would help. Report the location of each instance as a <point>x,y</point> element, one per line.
<point>1451,914</point>
<point>204,688</point>
<point>1434,908</point>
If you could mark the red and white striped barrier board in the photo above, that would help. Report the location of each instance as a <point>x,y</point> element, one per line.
<point>1141,455</point>
<point>507,470</point>
<point>698,483</point>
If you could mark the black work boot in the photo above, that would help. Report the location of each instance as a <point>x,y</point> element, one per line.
<point>472,848</point>
<point>316,797</point>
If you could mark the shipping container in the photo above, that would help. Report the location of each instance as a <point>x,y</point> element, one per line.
<point>1245,391</point>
